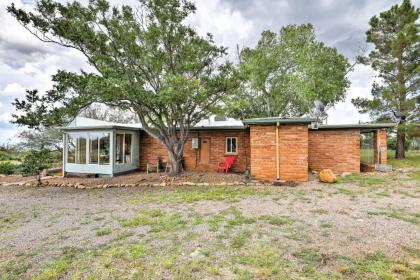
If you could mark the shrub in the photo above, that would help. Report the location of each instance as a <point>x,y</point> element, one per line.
<point>35,162</point>
<point>8,168</point>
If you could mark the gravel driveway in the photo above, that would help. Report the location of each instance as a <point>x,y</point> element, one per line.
<point>213,224</point>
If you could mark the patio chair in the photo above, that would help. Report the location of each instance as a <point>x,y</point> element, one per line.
<point>227,165</point>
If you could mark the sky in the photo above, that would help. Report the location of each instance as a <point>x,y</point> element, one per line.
<point>27,63</point>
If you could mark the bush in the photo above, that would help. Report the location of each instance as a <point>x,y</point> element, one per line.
<point>8,168</point>
<point>35,162</point>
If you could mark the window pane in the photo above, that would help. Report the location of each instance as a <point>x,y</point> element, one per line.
<point>127,148</point>
<point>71,149</point>
<point>81,150</point>
<point>94,152</point>
<point>233,145</point>
<point>119,148</point>
<point>104,149</point>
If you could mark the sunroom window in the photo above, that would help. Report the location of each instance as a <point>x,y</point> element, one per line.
<point>99,148</point>
<point>92,148</point>
<point>123,148</point>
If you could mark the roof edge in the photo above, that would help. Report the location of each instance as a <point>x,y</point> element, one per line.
<point>355,126</point>
<point>274,120</point>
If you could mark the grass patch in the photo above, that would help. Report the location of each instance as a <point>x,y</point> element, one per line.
<point>157,220</point>
<point>399,214</point>
<point>378,266</point>
<point>230,218</point>
<point>412,159</point>
<point>239,239</point>
<point>277,220</point>
<point>363,180</point>
<point>325,224</point>
<point>319,211</point>
<point>199,194</point>
<point>261,262</point>
<point>103,231</point>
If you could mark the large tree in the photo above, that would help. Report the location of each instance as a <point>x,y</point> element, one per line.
<point>286,72</point>
<point>146,60</point>
<point>395,57</point>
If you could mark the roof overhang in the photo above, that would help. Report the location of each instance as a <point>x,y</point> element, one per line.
<point>270,121</point>
<point>99,127</point>
<point>362,127</point>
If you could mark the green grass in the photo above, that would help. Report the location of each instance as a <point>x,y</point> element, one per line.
<point>103,231</point>
<point>156,219</point>
<point>364,180</point>
<point>399,214</point>
<point>412,159</point>
<point>197,194</point>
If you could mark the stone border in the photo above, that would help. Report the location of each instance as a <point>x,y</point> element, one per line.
<point>32,183</point>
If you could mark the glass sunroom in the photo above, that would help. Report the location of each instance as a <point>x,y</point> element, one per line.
<point>100,149</point>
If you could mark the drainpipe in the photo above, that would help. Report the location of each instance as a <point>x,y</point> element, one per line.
<point>277,153</point>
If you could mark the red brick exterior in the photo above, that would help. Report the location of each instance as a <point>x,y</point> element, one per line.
<point>379,144</point>
<point>299,149</point>
<point>293,152</point>
<point>151,150</point>
<point>338,150</point>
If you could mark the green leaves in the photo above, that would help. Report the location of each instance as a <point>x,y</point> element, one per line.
<point>286,72</point>
<point>145,59</point>
<point>396,57</point>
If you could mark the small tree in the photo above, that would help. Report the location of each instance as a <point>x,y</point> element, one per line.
<point>35,162</point>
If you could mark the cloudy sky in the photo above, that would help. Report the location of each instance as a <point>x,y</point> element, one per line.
<point>26,63</point>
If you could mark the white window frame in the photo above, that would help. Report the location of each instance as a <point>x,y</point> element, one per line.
<point>123,155</point>
<point>226,145</point>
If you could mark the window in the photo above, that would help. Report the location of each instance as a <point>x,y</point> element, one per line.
<point>76,148</point>
<point>123,148</point>
<point>231,145</point>
<point>90,148</point>
<point>81,150</point>
<point>94,149</point>
<point>104,149</point>
<point>71,149</point>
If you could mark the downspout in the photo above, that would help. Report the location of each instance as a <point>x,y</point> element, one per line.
<point>277,153</point>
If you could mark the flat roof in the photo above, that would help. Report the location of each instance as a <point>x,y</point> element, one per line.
<point>99,127</point>
<point>359,126</point>
<point>274,120</point>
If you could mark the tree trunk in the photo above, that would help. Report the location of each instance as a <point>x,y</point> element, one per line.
<point>176,163</point>
<point>400,149</point>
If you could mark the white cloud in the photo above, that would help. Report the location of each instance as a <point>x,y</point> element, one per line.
<point>1,104</point>
<point>13,89</point>
<point>5,117</point>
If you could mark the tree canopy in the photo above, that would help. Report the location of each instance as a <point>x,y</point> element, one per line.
<point>395,57</point>
<point>146,60</point>
<point>286,72</point>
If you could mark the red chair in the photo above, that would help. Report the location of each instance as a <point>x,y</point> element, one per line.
<point>225,166</point>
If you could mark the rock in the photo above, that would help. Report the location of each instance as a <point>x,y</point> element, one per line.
<point>82,186</point>
<point>327,176</point>
<point>188,184</point>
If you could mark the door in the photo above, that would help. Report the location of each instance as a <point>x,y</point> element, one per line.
<point>205,151</point>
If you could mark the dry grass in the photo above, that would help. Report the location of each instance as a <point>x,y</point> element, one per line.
<point>356,229</point>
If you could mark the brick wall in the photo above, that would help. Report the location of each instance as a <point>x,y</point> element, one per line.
<point>338,150</point>
<point>151,150</point>
<point>379,144</point>
<point>293,152</point>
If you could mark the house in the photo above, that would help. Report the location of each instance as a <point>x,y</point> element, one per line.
<point>272,148</point>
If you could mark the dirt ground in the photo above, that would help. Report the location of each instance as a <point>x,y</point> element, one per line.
<point>364,227</point>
